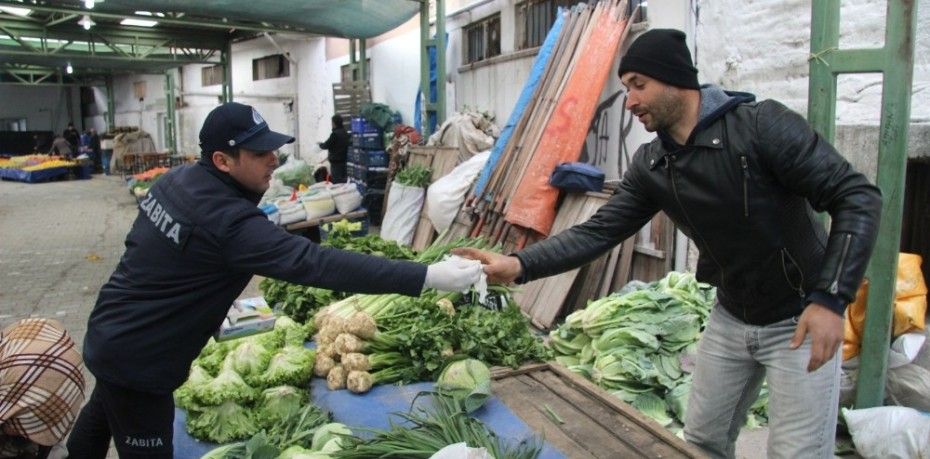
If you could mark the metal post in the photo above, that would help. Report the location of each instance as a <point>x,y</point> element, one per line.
<point>170,115</point>
<point>424,67</point>
<point>226,58</point>
<point>353,61</point>
<point>895,61</point>
<point>362,60</point>
<point>433,110</point>
<point>440,43</point>
<point>111,105</point>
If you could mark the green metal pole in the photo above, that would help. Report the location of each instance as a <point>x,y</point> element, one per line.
<point>825,38</point>
<point>111,105</point>
<point>424,67</point>
<point>226,58</point>
<point>895,61</point>
<point>440,43</point>
<point>892,165</point>
<point>362,60</point>
<point>170,115</point>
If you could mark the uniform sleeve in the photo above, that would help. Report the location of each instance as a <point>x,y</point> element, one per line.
<point>255,245</point>
<point>626,211</point>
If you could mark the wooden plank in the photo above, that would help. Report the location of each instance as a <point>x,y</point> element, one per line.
<point>578,437</point>
<point>624,265</point>
<point>609,270</point>
<point>636,418</point>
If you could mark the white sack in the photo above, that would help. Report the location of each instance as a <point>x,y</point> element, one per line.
<point>445,195</point>
<point>889,432</point>
<point>403,213</point>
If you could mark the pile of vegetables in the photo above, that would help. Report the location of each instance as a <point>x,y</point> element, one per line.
<point>379,339</point>
<point>341,235</point>
<point>306,434</point>
<point>431,429</point>
<point>415,176</point>
<point>236,388</point>
<point>638,342</point>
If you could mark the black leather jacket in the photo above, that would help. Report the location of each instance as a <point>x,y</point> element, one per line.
<point>744,188</point>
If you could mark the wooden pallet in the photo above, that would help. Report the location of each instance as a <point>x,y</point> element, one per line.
<point>349,97</point>
<point>441,160</point>
<point>594,423</point>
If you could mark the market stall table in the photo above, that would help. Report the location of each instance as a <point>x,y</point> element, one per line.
<point>373,410</point>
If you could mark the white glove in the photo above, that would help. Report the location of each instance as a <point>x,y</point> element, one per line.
<point>454,274</point>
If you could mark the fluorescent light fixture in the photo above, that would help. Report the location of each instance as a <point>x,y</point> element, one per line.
<point>69,69</point>
<point>89,4</point>
<point>14,10</point>
<point>138,22</point>
<point>87,22</point>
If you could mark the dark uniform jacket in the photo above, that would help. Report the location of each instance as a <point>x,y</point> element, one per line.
<point>195,245</point>
<point>338,146</point>
<point>744,188</point>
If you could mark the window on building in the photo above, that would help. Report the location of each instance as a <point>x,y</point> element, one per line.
<point>211,75</point>
<point>482,39</point>
<point>535,18</point>
<point>346,73</point>
<point>13,124</point>
<point>275,66</point>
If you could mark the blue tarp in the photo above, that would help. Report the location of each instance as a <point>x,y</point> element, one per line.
<point>40,175</point>
<point>532,82</point>
<point>373,410</point>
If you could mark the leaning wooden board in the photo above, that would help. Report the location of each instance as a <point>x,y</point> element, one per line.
<point>594,424</point>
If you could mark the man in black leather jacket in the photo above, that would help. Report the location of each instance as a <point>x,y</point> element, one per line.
<point>741,179</point>
<point>196,243</point>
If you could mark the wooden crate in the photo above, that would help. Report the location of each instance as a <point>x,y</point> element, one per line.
<point>348,98</point>
<point>441,160</point>
<point>594,423</point>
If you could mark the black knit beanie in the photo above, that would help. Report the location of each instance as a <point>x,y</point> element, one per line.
<point>661,54</point>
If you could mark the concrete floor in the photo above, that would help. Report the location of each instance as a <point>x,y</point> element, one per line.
<point>61,241</point>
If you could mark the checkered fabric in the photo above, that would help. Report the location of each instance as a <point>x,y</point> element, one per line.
<point>41,381</point>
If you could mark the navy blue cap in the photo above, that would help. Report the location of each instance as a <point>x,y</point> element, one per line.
<point>235,125</point>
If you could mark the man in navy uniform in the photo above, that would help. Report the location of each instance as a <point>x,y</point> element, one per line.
<point>196,243</point>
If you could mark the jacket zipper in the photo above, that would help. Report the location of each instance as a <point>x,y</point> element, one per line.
<point>835,286</point>
<point>784,268</point>
<point>671,176</point>
<point>745,165</point>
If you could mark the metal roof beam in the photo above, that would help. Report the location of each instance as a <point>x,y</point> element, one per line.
<point>179,20</point>
<point>199,39</point>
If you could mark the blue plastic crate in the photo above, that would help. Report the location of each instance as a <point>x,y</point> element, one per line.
<point>368,140</point>
<point>361,125</point>
<point>370,158</point>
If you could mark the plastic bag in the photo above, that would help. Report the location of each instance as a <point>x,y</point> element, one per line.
<point>403,213</point>
<point>889,432</point>
<point>445,195</point>
<point>318,203</point>
<point>461,451</point>
<point>347,197</point>
<point>276,190</point>
<point>910,306</point>
<point>294,172</point>
<point>909,386</point>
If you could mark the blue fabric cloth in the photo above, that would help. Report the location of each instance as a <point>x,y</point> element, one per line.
<point>373,410</point>
<point>40,175</point>
<point>539,67</point>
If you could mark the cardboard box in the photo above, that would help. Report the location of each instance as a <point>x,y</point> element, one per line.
<point>246,316</point>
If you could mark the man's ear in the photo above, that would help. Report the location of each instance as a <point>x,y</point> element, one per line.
<point>222,161</point>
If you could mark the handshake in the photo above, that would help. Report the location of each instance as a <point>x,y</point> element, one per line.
<point>464,269</point>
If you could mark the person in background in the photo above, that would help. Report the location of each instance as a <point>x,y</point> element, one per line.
<point>41,387</point>
<point>197,241</point>
<point>106,152</point>
<point>72,136</point>
<point>338,146</point>
<point>95,149</point>
<point>61,147</point>
<point>742,180</point>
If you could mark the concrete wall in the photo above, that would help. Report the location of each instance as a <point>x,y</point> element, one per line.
<point>44,107</point>
<point>763,47</point>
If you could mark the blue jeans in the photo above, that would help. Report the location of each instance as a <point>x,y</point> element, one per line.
<point>733,360</point>
<point>105,160</point>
